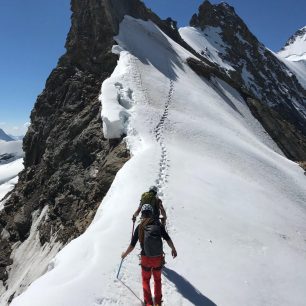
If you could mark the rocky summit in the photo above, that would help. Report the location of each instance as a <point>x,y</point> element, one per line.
<point>281,99</point>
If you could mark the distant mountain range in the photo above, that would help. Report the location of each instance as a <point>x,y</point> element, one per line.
<point>5,137</point>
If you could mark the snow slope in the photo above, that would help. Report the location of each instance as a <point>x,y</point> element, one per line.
<point>236,206</point>
<point>297,67</point>
<point>207,42</point>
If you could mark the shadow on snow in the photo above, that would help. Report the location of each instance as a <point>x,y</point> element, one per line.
<point>186,289</point>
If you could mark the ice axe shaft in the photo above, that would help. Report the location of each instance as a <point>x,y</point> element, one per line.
<point>119,268</point>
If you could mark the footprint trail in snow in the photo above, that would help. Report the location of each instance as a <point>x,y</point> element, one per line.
<point>159,136</point>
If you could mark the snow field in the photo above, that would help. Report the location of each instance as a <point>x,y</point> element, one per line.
<point>235,205</point>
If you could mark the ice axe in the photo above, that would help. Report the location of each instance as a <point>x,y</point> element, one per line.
<point>119,268</point>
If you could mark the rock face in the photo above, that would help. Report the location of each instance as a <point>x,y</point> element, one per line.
<point>281,106</point>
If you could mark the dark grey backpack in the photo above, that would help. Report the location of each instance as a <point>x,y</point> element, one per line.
<point>153,245</point>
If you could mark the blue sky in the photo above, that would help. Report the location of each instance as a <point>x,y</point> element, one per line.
<point>33,34</point>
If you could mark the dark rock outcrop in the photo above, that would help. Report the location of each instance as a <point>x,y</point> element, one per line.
<point>281,100</point>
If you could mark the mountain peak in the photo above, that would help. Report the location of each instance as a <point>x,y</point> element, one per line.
<point>299,34</point>
<point>295,47</point>
<point>4,136</point>
<point>216,15</point>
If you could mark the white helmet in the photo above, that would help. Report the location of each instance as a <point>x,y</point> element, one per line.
<point>147,208</point>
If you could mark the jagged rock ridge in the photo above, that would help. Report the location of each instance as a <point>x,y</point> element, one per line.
<point>281,100</point>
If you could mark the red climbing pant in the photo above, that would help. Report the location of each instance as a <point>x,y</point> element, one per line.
<point>151,265</point>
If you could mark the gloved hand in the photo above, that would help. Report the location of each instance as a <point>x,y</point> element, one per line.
<point>174,253</point>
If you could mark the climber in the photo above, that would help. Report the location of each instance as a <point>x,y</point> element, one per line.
<point>149,233</point>
<point>151,198</point>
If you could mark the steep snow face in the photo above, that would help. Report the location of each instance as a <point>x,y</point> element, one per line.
<point>295,48</point>
<point>208,43</point>
<point>236,206</point>
<point>298,68</point>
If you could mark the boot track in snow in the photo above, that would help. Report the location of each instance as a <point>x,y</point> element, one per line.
<point>159,136</point>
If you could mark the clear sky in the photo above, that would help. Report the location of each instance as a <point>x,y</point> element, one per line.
<point>33,34</point>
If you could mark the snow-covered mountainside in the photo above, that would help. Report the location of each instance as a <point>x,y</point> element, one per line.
<point>294,55</point>
<point>4,136</point>
<point>236,205</point>
<point>11,163</point>
<point>295,48</point>
<point>221,37</point>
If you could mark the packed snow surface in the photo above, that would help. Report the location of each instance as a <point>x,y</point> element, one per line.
<point>236,206</point>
